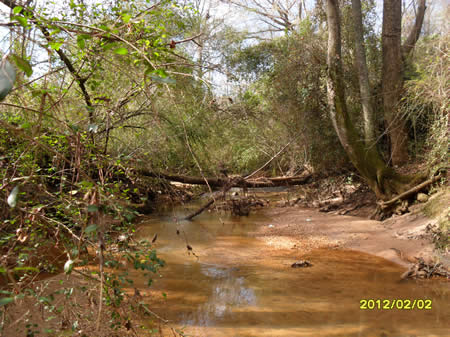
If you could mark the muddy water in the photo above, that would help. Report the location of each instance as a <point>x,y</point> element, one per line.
<point>235,285</point>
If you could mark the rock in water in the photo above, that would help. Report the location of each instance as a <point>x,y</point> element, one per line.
<point>301,264</point>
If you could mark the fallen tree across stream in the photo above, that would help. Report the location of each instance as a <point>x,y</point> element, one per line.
<point>228,182</point>
<point>221,182</point>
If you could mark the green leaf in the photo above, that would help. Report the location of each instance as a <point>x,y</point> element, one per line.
<point>17,10</point>
<point>81,42</point>
<point>68,266</point>
<point>26,126</point>
<point>55,45</point>
<point>105,28</point>
<point>90,229</point>
<point>129,216</point>
<point>55,31</point>
<point>109,46</point>
<point>12,199</point>
<point>92,209</point>
<point>22,64</point>
<point>121,51</point>
<point>86,184</point>
<point>126,18</point>
<point>6,300</point>
<point>159,72</point>
<point>22,20</point>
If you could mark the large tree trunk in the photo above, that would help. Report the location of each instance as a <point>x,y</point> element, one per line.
<point>392,80</point>
<point>392,73</point>
<point>363,75</point>
<point>384,181</point>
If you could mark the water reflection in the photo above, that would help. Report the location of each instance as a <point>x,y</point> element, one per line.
<point>238,288</point>
<point>227,292</point>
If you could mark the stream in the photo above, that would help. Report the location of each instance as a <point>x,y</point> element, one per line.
<point>237,285</point>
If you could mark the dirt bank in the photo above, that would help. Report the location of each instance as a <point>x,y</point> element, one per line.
<point>399,239</point>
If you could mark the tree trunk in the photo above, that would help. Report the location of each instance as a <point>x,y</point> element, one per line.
<point>414,34</point>
<point>384,181</point>
<point>392,80</point>
<point>235,182</point>
<point>363,74</point>
<point>394,55</point>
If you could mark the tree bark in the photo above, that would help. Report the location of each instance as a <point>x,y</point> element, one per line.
<point>363,74</point>
<point>414,34</point>
<point>219,182</point>
<point>392,80</point>
<point>384,181</point>
<point>392,74</point>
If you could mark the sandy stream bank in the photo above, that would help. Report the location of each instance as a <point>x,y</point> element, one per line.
<point>305,229</point>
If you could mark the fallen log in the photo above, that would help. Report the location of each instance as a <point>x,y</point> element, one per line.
<point>226,183</point>
<point>221,182</point>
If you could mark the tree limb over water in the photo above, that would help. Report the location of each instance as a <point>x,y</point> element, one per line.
<point>221,182</point>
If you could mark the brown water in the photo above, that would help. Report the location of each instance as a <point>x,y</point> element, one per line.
<point>239,286</point>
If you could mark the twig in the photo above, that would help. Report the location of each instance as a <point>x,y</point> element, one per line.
<point>19,319</point>
<point>100,304</point>
<point>269,161</point>
<point>213,200</point>
<point>185,40</point>
<point>148,311</point>
<point>85,275</point>
<point>200,210</point>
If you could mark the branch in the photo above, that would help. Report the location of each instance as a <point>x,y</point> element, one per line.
<point>269,161</point>
<point>200,210</point>
<point>410,192</point>
<point>275,18</point>
<point>192,38</point>
<point>11,4</point>
<point>230,183</point>
<point>414,34</point>
<point>103,33</point>
<point>217,182</point>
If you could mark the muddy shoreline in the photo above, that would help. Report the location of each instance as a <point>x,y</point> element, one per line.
<point>398,239</point>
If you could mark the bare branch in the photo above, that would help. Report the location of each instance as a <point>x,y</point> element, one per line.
<point>414,34</point>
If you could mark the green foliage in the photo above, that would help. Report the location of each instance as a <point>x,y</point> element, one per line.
<point>426,101</point>
<point>22,64</point>
<point>288,94</point>
<point>54,136</point>
<point>252,61</point>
